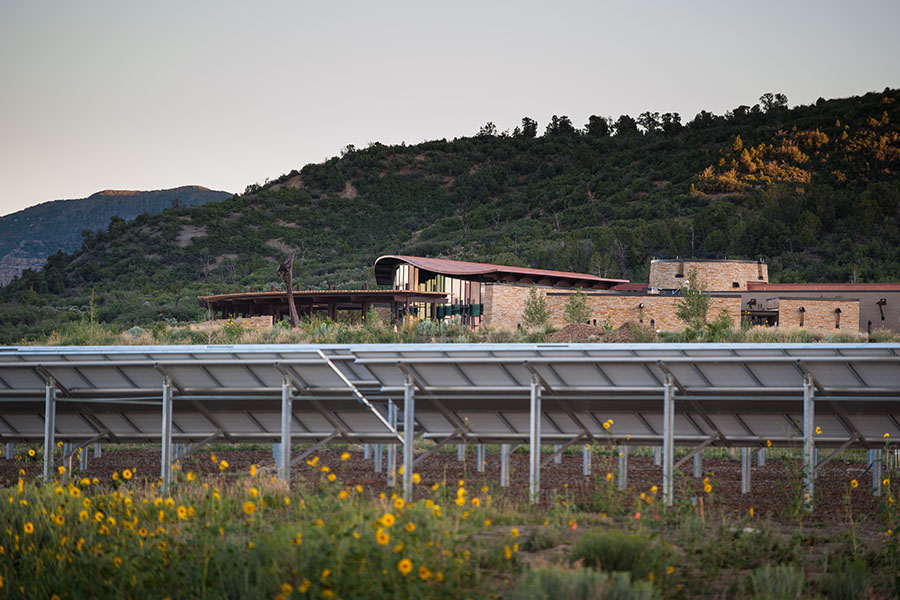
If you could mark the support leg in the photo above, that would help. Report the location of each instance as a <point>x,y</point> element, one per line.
<point>378,457</point>
<point>10,451</point>
<point>392,448</point>
<point>461,452</point>
<point>534,430</point>
<point>480,455</point>
<point>876,471</point>
<point>98,450</point>
<point>668,441</point>
<point>49,428</point>
<point>657,456</point>
<point>809,461</point>
<point>623,468</point>
<point>746,461</point>
<point>761,458</point>
<point>558,459</point>
<point>504,465</point>
<point>586,460</point>
<point>367,451</point>
<point>284,447</point>
<point>698,465</point>
<point>165,468</point>
<point>409,410</point>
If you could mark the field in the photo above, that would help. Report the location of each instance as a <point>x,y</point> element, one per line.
<point>228,529</point>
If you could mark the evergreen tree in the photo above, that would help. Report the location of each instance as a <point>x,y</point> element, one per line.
<point>577,309</point>
<point>536,312</point>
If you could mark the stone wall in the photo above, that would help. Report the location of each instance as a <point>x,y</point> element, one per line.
<point>504,305</point>
<point>715,275</point>
<point>820,315</point>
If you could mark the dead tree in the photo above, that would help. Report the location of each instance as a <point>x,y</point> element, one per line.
<point>286,270</point>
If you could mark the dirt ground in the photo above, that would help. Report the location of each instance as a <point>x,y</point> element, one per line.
<point>774,486</point>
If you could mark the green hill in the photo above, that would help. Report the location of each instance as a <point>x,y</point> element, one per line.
<point>813,190</point>
<point>29,236</point>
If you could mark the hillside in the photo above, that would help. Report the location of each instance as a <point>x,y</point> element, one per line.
<point>29,236</point>
<point>813,190</point>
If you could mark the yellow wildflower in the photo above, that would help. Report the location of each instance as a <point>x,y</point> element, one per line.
<point>405,566</point>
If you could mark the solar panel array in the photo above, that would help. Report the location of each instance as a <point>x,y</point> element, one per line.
<point>732,395</point>
<point>743,393</point>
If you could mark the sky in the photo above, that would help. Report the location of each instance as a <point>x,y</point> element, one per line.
<point>101,95</point>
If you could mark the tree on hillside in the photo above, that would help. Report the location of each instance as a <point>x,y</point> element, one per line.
<point>649,121</point>
<point>529,127</point>
<point>536,312</point>
<point>771,101</point>
<point>560,126</point>
<point>488,130</point>
<point>597,126</point>
<point>626,126</point>
<point>671,123</point>
<point>577,309</point>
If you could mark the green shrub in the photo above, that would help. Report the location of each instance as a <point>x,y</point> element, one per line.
<point>782,582</point>
<point>617,551</point>
<point>846,580</point>
<point>554,583</point>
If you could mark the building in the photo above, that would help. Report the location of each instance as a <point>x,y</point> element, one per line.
<point>487,295</point>
<point>494,295</point>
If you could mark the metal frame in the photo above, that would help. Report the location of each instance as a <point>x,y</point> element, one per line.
<point>716,390</point>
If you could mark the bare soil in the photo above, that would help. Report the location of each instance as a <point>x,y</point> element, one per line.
<point>775,486</point>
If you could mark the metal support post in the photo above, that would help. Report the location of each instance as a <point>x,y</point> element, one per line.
<point>534,441</point>
<point>378,457</point>
<point>83,459</point>
<point>10,451</point>
<point>68,460</point>
<point>166,435</point>
<point>284,447</point>
<point>558,459</point>
<point>392,448</point>
<point>480,454</point>
<point>461,452</point>
<point>98,450</point>
<point>761,458</point>
<point>49,428</point>
<point>657,455</point>
<point>668,441</point>
<point>875,461</point>
<point>504,465</point>
<point>809,441</point>
<point>276,454</point>
<point>586,460</point>
<point>623,468</point>
<point>746,461</point>
<point>367,451</point>
<point>409,424</point>
<point>816,463</point>
<point>698,464</point>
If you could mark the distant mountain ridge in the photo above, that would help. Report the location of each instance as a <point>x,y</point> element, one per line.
<point>29,236</point>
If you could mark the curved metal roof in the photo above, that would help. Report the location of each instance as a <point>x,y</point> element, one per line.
<point>385,266</point>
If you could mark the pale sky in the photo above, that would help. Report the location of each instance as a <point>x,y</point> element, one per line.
<point>151,95</point>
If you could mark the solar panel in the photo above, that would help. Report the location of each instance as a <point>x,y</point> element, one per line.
<point>736,395</point>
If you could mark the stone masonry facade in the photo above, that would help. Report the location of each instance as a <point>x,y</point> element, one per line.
<point>504,305</point>
<point>819,315</point>
<point>714,275</point>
